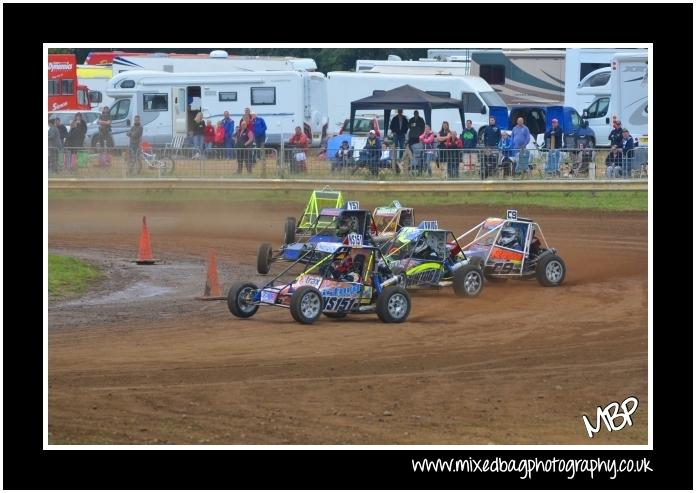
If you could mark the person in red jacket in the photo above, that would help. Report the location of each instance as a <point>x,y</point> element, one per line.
<point>208,137</point>
<point>219,138</point>
<point>298,155</point>
<point>453,145</point>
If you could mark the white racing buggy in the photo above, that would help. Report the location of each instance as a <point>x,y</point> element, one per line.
<point>514,247</point>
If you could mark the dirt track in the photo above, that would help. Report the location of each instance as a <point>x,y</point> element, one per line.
<point>139,361</point>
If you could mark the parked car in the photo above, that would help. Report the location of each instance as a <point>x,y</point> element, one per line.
<point>66,116</point>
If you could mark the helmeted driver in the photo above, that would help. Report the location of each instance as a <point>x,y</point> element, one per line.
<point>426,247</point>
<point>510,238</point>
<point>344,270</point>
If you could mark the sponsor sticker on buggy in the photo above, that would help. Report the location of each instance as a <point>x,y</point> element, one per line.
<point>430,225</point>
<point>512,214</point>
<point>342,289</point>
<point>328,246</point>
<point>268,296</point>
<point>309,281</point>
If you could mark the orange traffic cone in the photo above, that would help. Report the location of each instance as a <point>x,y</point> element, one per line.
<point>211,291</point>
<point>145,250</point>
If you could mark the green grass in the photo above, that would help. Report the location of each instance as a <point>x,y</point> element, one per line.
<point>67,275</point>
<point>608,201</point>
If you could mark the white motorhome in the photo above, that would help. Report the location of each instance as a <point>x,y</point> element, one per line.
<point>216,61</point>
<point>580,63</point>
<point>478,98</point>
<point>167,103</point>
<point>628,100</point>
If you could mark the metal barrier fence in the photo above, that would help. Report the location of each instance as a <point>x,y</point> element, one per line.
<point>417,163</point>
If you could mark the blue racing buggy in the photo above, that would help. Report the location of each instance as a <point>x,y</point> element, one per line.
<point>326,233</point>
<point>354,279</point>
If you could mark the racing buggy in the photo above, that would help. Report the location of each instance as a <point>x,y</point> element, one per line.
<point>431,258</point>
<point>511,248</point>
<point>354,279</point>
<point>390,219</point>
<point>318,200</point>
<point>328,231</point>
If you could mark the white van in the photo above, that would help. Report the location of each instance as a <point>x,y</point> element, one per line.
<point>628,100</point>
<point>167,103</point>
<point>478,98</point>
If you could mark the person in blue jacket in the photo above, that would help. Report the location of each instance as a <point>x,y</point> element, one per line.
<point>228,124</point>
<point>627,146</point>
<point>259,129</point>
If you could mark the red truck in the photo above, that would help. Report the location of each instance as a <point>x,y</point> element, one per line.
<point>64,92</point>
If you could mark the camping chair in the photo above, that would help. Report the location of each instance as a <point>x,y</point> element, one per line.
<point>172,148</point>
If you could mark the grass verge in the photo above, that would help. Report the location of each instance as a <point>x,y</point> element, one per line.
<point>69,276</point>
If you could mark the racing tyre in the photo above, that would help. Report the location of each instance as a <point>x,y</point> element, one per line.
<point>239,299</point>
<point>336,315</point>
<point>306,305</point>
<point>468,281</point>
<point>393,305</point>
<point>289,233</point>
<point>264,259</point>
<point>551,271</point>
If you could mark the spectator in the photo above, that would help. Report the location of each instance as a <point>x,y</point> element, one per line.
<point>385,159</point>
<point>104,137</point>
<point>247,118</point>
<point>54,145</point>
<point>245,141</point>
<point>616,134</point>
<point>259,128</point>
<point>440,138</point>
<point>585,132</point>
<point>470,140</point>
<point>520,138</point>
<point>416,128</point>
<point>343,157</point>
<point>613,162</point>
<point>469,135</point>
<point>228,124</point>
<point>427,138</point>
<point>76,138</point>
<point>299,157</point>
<point>627,146</point>
<point>219,138</point>
<point>491,134</point>
<point>209,137</point>
<point>369,156</point>
<point>62,130</point>
<point>583,160</point>
<point>135,135</point>
<point>554,139</point>
<point>453,144</point>
<point>505,148</point>
<point>198,134</point>
<point>399,129</point>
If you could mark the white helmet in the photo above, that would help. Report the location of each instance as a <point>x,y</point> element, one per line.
<point>508,236</point>
<point>426,241</point>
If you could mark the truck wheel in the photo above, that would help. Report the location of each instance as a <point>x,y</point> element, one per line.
<point>551,271</point>
<point>264,258</point>
<point>306,305</point>
<point>393,305</point>
<point>239,299</point>
<point>468,281</point>
<point>289,233</point>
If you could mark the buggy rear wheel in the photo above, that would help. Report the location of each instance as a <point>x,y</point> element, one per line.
<point>306,305</point>
<point>264,258</point>
<point>289,232</point>
<point>551,271</point>
<point>393,305</point>
<point>240,299</point>
<point>468,281</point>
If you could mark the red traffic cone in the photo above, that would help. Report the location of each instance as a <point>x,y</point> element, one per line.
<point>145,250</point>
<point>211,291</point>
